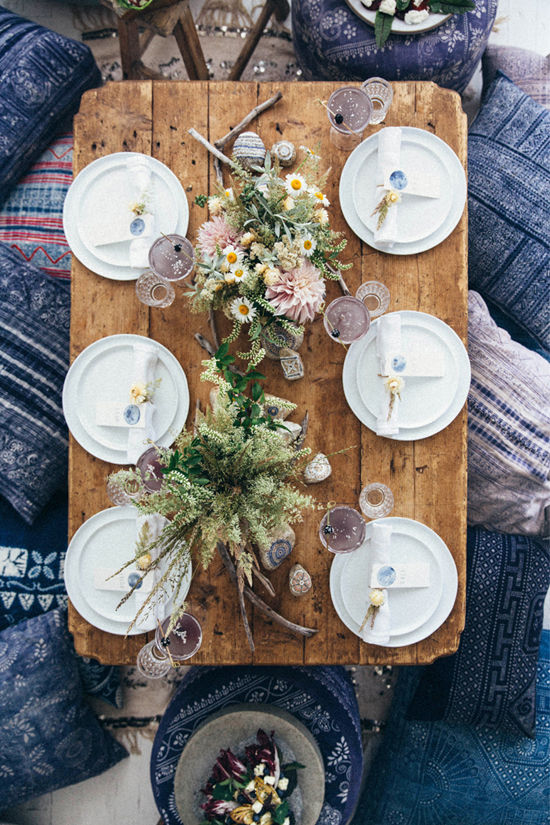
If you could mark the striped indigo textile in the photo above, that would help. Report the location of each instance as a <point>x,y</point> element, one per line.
<point>34,358</point>
<point>508,429</point>
<point>31,220</point>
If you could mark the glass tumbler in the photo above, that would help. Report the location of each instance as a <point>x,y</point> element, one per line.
<point>375,296</point>
<point>380,94</point>
<point>346,319</point>
<point>154,291</point>
<point>349,113</point>
<point>172,257</point>
<point>183,641</point>
<point>376,500</point>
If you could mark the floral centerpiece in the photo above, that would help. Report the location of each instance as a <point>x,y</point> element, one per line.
<point>411,11</point>
<point>265,252</point>
<point>227,482</point>
<point>253,788</point>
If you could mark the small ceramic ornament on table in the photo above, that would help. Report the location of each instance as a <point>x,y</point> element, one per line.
<point>317,470</point>
<point>277,337</point>
<point>291,431</point>
<point>249,150</point>
<point>299,580</point>
<point>292,365</point>
<point>274,408</point>
<point>278,547</point>
<point>284,151</point>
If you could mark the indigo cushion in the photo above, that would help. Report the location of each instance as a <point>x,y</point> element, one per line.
<point>509,206</point>
<point>490,680</point>
<point>42,78</point>
<point>508,428</point>
<point>430,773</point>
<point>49,737</point>
<point>529,70</point>
<point>31,581</point>
<point>31,219</point>
<point>34,358</point>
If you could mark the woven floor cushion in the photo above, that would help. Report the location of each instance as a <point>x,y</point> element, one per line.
<point>332,43</point>
<point>31,219</point>
<point>528,70</point>
<point>42,78</point>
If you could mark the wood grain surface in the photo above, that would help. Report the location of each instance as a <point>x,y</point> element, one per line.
<point>428,477</point>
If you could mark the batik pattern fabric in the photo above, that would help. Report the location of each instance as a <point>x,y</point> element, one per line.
<point>42,78</point>
<point>491,679</point>
<point>509,206</point>
<point>435,773</point>
<point>528,70</point>
<point>333,43</point>
<point>49,736</point>
<point>508,428</point>
<point>321,698</point>
<point>31,219</point>
<point>34,358</point>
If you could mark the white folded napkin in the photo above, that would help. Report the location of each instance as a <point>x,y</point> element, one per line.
<point>156,524</point>
<point>389,153</point>
<point>140,173</point>
<point>145,362</point>
<point>380,543</point>
<point>388,345</point>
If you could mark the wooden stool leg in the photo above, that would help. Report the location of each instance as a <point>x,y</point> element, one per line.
<point>252,40</point>
<point>190,47</point>
<point>130,51</point>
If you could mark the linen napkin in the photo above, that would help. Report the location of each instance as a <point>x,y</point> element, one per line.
<point>380,543</point>
<point>156,524</point>
<point>388,347</point>
<point>140,173</point>
<point>145,362</point>
<point>389,152</point>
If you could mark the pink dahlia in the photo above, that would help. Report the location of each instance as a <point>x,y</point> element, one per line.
<point>298,294</point>
<point>216,232</point>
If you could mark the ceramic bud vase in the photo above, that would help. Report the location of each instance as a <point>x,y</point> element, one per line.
<point>278,547</point>
<point>275,337</point>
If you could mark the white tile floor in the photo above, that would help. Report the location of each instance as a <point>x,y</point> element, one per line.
<point>123,795</point>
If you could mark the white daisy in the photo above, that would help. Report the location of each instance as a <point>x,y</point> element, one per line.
<point>320,196</point>
<point>242,310</point>
<point>295,184</point>
<point>239,273</point>
<point>232,256</point>
<point>307,245</point>
<point>228,193</point>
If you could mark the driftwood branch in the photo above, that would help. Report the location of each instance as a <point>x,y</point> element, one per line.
<point>213,329</point>
<point>240,588</point>
<point>257,602</point>
<point>264,580</point>
<point>211,148</point>
<point>341,282</point>
<point>267,104</point>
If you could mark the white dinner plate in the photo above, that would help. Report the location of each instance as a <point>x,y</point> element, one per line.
<point>425,222</point>
<point>399,26</point>
<point>428,405</point>
<point>107,540</point>
<point>92,184</point>
<point>416,613</point>
<point>103,372</point>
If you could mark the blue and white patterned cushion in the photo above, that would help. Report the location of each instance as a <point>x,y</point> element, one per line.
<point>528,70</point>
<point>508,429</point>
<point>49,737</point>
<point>437,773</point>
<point>42,78</point>
<point>490,680</point>
<point>100,681</point>
<point>34,358</point>
<point>321,698</point>
<point>509,206</point>
<point>332,43</point>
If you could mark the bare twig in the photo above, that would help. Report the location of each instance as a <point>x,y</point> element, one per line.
<point>218,171</point>
<point>211,148</point>
<point>240,590</point>
<point>299,440</point>
<point>213,329</point>
<point>264,580</point>
<point>221,143</point>
<point>341,282</point>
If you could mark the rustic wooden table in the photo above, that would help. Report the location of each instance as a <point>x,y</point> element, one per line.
<point>428,477</point>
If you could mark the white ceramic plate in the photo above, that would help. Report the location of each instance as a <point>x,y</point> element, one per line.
<point>107,540</point>
<point>93,183</point>
<point>399,26</point>
<point>416,612</point>
<point>428,404</point>
<point>103,372</point>
<point>425,222</point>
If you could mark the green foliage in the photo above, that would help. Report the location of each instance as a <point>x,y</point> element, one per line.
<point>382,27</point>
<point>452,6</point>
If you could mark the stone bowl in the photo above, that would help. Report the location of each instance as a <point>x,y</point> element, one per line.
<point>234,727</point>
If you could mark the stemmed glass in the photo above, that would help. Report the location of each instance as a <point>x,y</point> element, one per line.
<point>349,112</point>
<point>346,319</point>
<point>342,529</point>
<point>150,467</point>
<point>172,257</point>
<point>155,659</point>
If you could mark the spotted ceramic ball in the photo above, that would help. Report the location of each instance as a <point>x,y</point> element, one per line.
<point>249,150</point>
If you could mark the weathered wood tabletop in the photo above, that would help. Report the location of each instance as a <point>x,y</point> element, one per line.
<point>427,477</point>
